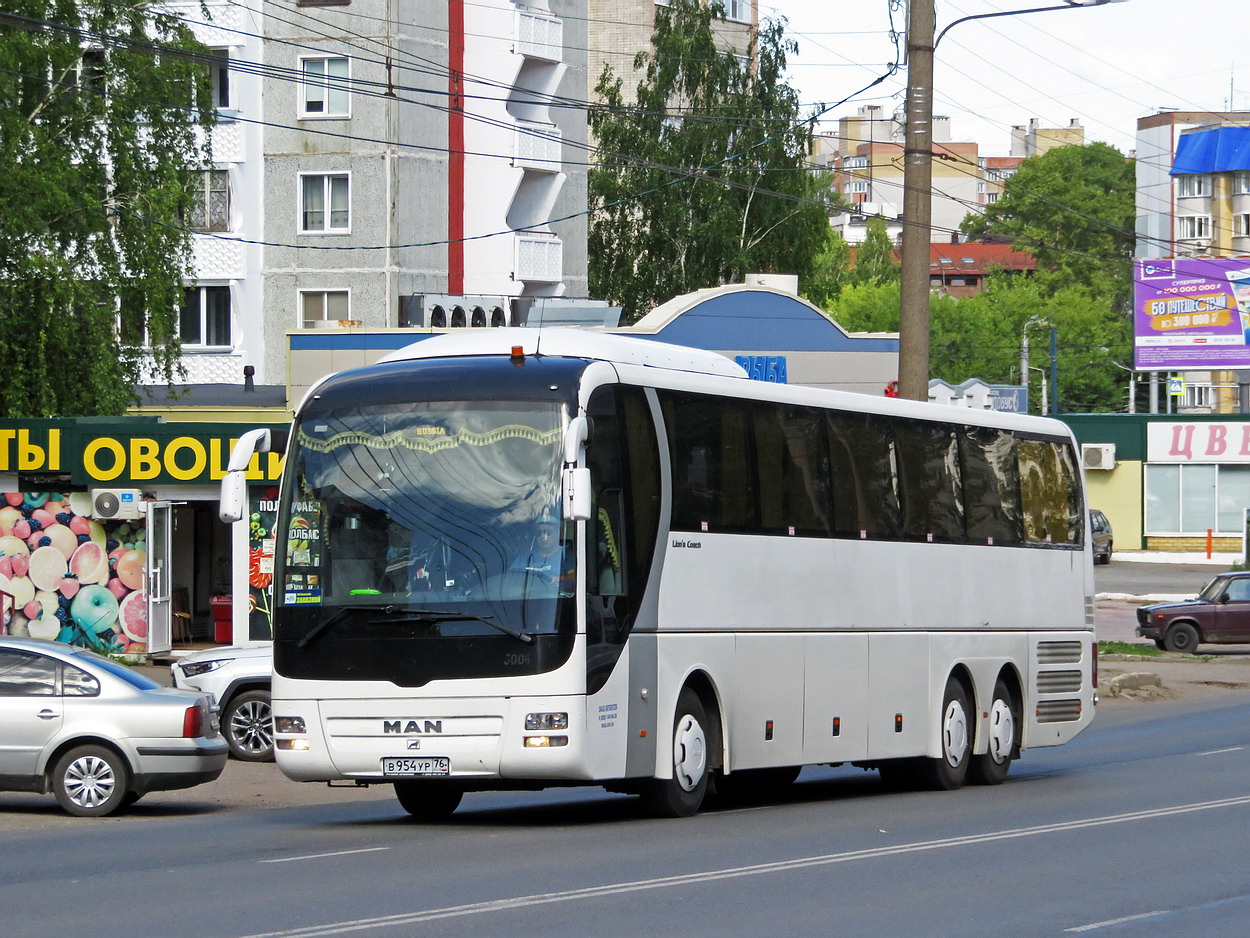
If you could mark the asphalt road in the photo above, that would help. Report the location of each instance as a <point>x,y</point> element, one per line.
<point>1139,828</point>
<point>1138,578</point>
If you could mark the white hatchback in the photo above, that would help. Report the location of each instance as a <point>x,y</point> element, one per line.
<point>96,733</point>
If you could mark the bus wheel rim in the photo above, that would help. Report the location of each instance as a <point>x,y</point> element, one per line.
<point>954,733</point>
<point>689,753</point>
<point>1002,731</point>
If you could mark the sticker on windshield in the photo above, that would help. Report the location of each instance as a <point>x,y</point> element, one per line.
<point>304,598</point>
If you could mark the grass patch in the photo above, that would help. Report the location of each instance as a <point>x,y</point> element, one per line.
<point>1128,648</point>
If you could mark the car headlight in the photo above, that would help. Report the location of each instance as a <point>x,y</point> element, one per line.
<point>193,668</point>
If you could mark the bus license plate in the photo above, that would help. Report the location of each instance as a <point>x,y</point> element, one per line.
<point>420,765</point>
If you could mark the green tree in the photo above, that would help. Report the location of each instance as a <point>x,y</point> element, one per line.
<point>874,258</point>
<point>980,337</point>
<point>702,178</point>
<point>830,272</point>
<point>104,114</point>
<point>1073,208</point>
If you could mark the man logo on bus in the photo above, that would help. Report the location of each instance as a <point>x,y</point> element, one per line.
<point>412,726</point>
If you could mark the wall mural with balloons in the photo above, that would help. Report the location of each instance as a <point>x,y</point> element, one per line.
<point>72,578</point>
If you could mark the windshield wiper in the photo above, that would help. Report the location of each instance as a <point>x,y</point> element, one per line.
<point>333,619</point>
<point>435,616</point>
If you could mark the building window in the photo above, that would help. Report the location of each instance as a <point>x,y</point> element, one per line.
<point>1193,226</point>
<point>323,306</point>
<point>1241,224</point>
<point>93,70</point>
<point>855,162</point>
<point>211,209</point>
<point>981,188</point>
<point>857,187</point>
<point>1241,182</point>
<point>1197,395</point>
<point>205,318</point>
<point>325,202</point>
<point>219,75</point>
<point>1193,185</point>
<point>324,89</point>
<point>739,10</point>
<point>1192,499</point>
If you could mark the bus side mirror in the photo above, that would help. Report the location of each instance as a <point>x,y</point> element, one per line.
<point>234,484</point>
<point>576,494</point>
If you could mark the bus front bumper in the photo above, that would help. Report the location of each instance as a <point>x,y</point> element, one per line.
<point>391,740</point>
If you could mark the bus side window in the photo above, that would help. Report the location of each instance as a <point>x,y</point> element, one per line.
<point>865,486</point>
<point>991,486</point>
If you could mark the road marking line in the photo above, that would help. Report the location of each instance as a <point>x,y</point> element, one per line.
<point>1116,921</point>
<point>1216,752</point>
<point>780,866</point>
<point>318,856</point>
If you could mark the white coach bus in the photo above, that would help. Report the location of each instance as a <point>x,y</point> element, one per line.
<point>518,559</point>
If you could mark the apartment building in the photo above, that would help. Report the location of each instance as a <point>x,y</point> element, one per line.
<point>866,155</point>
<point>384,164</point>
<point>618,30</point>
<point>1193,201</point>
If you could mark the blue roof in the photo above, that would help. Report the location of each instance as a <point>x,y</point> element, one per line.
<point>760,320</point>
<point>1219,150</point>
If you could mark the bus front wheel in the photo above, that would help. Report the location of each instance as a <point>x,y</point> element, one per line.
<point>682,795</point>
<point>947,771</point>
<point>426,801</point>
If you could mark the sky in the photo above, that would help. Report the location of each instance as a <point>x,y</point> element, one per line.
<point>1104,66</point>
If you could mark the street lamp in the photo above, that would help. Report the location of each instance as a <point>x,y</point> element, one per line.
<point>1132,385</point>
<point>913,339</point>
<point>1042,371</point>
<point>1024,360</point>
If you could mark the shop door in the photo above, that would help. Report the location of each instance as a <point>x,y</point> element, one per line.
<point>157,577</point>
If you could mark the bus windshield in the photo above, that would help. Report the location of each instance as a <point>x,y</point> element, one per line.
<point>435,525</point>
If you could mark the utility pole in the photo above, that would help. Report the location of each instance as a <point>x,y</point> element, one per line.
<point>913,344</point>
<point>913,327</point>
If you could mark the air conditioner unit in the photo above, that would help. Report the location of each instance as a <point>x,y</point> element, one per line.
<point>116,504</point>
<point>1098,455</point>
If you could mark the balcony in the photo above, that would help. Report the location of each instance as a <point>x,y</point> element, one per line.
<point>537,146</point>
<point>539,37</point>
<point>539,258</point>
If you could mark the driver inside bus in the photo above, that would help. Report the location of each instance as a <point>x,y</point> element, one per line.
<point>545,560</point>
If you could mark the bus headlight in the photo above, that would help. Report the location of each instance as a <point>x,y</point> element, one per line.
<point>288,725</point>
<point>546,721</point>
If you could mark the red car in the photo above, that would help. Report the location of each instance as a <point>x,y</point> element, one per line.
<point>1219,615</point>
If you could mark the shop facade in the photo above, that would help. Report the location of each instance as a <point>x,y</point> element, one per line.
<point>1168,482</point>
<point>109,535</point>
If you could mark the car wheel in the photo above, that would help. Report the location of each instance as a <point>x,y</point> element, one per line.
<point>90,781</point>
<point>947,771</point>
<point>1181,637</point>
<point>428,801</point>
<point>1004,736</point>
<point>247,725</point>
<point>682,795</point>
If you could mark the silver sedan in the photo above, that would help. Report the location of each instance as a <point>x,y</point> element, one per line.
<point>95,733</point>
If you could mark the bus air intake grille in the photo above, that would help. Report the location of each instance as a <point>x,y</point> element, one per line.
<point>1058,711</point>
<point>1058,652</point>
<point>1058,682</point>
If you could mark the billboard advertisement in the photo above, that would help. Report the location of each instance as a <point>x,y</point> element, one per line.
<point>1191,313</point>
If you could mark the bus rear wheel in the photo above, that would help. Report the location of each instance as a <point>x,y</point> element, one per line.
<point>682,795</point>
<point>947,771</point>
<point>1004,737</point>
<point>426,801</point>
